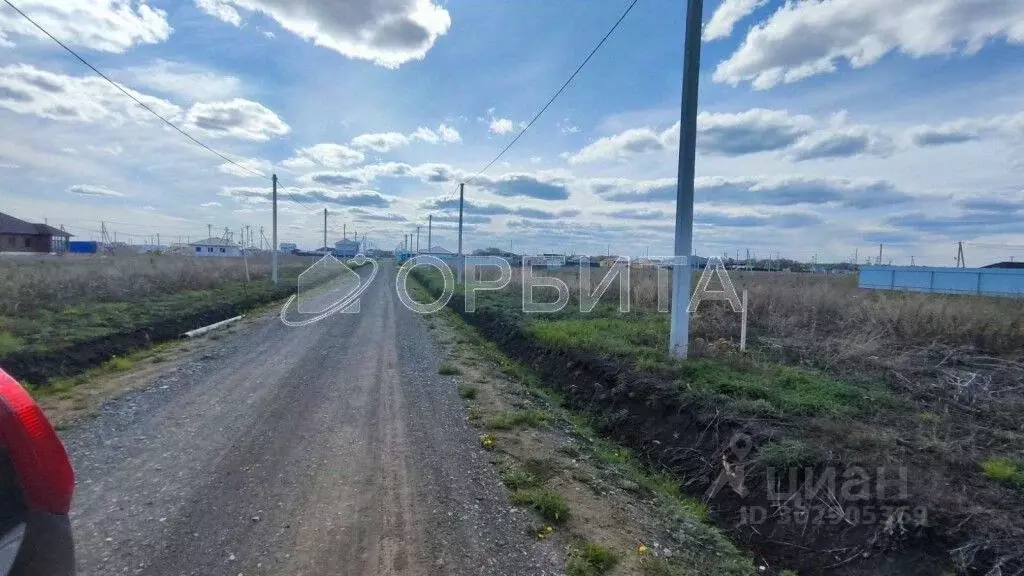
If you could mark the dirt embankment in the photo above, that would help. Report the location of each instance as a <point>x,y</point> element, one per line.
<point>895,517</point>
<point>121,332</point>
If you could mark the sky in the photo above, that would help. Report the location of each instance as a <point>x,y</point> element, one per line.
<point>826,127</point>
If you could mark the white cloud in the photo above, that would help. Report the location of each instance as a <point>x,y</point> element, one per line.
<point>244,168</point>
<point>627,143</point>
<point>753,131</point>
<point>95,191</point>
<point>726,16</point>
<point>26,89</point>
<point>221,10</point>
<point>387,141</point>
<point>269,34</point>
<point>501,126</point>
<point>184,80</point>
<point>365,198</point>
<point>427,135</point>
<point>113,149</point>
<point>381,142</point>
<point>803,39</point>
<point>236,118</point>
<point>210,205</point>
<point>386,32</point>
<point>327,155</point>
<point>449,134</point>
<point>103,25</point>
<point>968,129</point>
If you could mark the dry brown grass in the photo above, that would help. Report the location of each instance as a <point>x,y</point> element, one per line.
<point>55,282</point>
<point>828,317</point>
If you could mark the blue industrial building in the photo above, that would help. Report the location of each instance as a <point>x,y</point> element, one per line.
<point>977,281</point>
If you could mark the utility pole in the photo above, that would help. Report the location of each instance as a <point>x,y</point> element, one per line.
<point>960,262</point>
<point>880,254</point>
<point>325,227</point>
<point>344,231</point>
<point>261,238</point>
<point>209,230</point>
<point>273,234</point>
<point>462,195</point>
<point>430,229</point>
<point>856,255</point>
<point>157,240</point>
<point>417,239</point>
<point>682,276</point>
<point>911,261</point>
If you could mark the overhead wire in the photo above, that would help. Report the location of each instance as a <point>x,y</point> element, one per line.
<point>146,107</point>
<point>560,90</point>
<point>129,94</point>
<point>551,100</point>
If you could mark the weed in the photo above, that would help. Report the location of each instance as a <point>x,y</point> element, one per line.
<point>1003,470</point>
<point>9,343</point>
<point>447,369</point>
<point>518,479</point>
<point>609,453</point>
<point>549,504</point>
<point>158,359</point>
<point>467,392</point>
<point>119,364</point>
<point>488,441</point>
<point>591,560</point>
<point>786,453</point>
<point>510,420</point>
<point>543,469</point>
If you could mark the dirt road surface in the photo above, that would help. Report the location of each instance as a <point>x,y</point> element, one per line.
<point>330,449</point>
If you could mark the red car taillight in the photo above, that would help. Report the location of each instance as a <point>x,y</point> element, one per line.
<point>36,452</point>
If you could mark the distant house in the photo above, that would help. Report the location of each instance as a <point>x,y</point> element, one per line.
<point>21,236</point>
<point>216,248</point>
<point>1010,264</point>
<point>346,248</point>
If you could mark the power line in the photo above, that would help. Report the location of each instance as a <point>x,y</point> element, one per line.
<point>129,94</point>
<point>560,90</point>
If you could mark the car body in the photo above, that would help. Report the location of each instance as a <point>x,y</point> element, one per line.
<point>36,486</point>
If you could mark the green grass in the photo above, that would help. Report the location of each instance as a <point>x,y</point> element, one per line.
<point>591,559</point>
<point>786,453</point>
<point>467,392</point>
<point>550,505</point>
<point>447,369</point>
<point>610,453</point>
<point>747,386</point>
<point>519,480</point>
<point>1004,470</point>
<point>9,343</point>
<point>119,364</point>
<point>46,334</point>
<point>510,420</point>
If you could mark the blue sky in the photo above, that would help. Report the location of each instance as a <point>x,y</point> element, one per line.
<point>827,126</point>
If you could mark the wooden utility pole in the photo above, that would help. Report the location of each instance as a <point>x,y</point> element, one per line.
<point>325,227</point>
<point>880,254</point>
<point>430,229</point>
<point>273,246</point>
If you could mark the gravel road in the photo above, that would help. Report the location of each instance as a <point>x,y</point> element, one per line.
<point>330,449</point>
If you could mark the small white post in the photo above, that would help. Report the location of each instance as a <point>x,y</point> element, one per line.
<point>743,325</point>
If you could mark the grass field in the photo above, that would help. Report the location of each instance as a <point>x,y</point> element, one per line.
<point>62,315</point>
<point>931,386</point>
